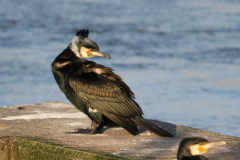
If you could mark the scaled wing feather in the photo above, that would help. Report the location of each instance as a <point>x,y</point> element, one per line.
<point>103,90</point>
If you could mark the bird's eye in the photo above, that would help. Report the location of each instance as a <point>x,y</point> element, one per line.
<point>200,143</point>
<point>89,50</point>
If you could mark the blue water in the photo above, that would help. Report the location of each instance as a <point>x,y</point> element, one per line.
<point>180,58</point>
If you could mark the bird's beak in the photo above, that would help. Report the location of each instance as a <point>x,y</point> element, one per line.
<point>200,149</point>
<point>214,144</point>
<point>101,54</point>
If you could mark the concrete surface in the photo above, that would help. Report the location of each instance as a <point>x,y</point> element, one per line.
<point>57,123</point>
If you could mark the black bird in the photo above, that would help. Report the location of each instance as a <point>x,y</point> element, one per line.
<point>191,148</point>
<point>96,90</point>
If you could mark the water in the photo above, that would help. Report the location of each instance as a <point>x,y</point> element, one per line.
<point>180,58</point>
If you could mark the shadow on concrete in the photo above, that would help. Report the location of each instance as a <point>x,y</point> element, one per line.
<point>79,131</point>
<point>171,128</point>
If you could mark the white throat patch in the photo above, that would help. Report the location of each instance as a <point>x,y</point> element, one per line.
<point>74,46</point>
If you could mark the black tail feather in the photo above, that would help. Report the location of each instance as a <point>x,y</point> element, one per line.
<point>123,123</point>
<point>152,127</point>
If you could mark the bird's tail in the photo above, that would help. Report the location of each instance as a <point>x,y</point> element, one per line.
<point>151,127</point>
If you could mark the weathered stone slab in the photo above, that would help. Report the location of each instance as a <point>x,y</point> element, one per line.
<point>49,122</point>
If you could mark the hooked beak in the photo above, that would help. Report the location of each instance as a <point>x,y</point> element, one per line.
<point>101,54</point>
<point>200,149</point>
<point>213,144</point>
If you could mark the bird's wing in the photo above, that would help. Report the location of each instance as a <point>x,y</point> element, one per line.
<point>101,89</point>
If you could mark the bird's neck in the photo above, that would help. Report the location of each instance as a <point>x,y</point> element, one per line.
<point>183,153</point>
<point>65,60</point>
<point>63,65</point>
<point>198,157</point>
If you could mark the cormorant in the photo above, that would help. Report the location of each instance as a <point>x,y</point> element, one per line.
<point>191,148</point>
<point>96,90</point>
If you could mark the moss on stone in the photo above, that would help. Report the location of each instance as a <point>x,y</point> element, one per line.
<point>59,144</point>
<point>19,149</point>
<point>5,148</point>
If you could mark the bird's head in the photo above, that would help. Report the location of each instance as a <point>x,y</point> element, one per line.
<point>84,47</point>
<point>196,146</point>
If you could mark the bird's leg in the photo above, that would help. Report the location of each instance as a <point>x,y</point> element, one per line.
<point>95,129</point>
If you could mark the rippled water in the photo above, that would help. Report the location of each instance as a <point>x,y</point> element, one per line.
<point>181,58</point>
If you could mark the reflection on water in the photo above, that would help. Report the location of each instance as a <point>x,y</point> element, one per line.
<point>181,58</point>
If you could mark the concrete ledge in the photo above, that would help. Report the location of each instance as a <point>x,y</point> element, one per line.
<point>40,131</point>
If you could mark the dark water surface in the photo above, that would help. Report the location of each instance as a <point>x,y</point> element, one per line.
<point>181,58</point>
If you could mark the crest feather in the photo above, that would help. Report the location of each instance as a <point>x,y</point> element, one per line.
<point>74,44</point>
<point>83,33</point>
